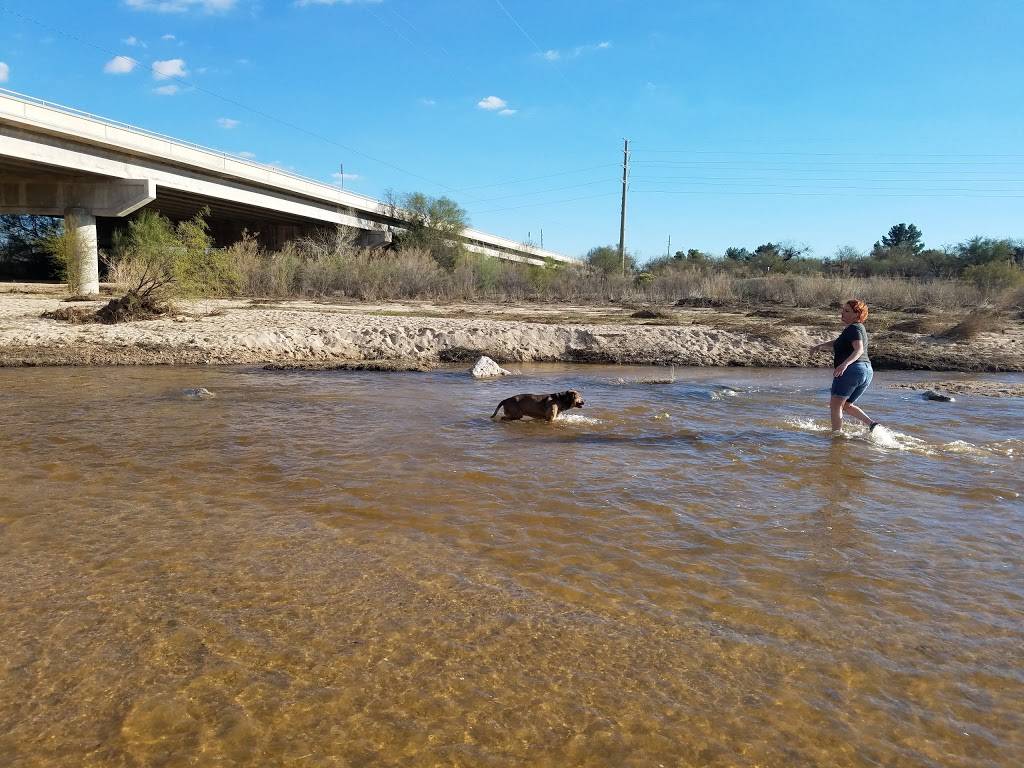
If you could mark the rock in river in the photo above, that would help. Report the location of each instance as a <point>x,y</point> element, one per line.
<point>485,368</point>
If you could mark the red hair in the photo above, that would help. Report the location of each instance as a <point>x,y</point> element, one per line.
<point>859,308</point>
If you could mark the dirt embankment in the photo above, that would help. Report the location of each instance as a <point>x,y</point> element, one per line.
<point>419,334</point>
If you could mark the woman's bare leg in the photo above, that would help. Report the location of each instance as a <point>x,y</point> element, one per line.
<point>835,407</point>
<point>858,414</point>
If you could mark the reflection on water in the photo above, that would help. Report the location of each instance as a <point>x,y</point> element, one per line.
<point>341,569</point>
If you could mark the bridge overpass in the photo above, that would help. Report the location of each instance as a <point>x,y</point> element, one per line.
<point>58,161</point>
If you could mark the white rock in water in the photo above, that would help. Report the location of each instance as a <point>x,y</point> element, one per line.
<point>198,393</point>
<point>486,367</point>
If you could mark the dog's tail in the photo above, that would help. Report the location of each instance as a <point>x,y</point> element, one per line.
<point>500,406</point>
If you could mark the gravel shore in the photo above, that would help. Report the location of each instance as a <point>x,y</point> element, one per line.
<point>417,335</point>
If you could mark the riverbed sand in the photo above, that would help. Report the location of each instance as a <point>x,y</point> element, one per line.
<point>423,334</point>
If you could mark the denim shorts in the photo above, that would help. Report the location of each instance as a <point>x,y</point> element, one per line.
<point>852,384</point>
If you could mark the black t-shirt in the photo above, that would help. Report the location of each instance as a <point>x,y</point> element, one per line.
<point>842,347</point>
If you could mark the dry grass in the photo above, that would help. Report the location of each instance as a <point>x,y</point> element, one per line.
<point>73,315</point>
<point>331,267</point>
<point>976,323</point>
<point>651,314</point>
<point>920,325</point>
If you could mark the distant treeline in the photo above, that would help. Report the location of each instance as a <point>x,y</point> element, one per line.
<point>899,271</point>
<point>984,261</point>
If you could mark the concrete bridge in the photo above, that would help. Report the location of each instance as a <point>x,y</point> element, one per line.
<point>57,161</point>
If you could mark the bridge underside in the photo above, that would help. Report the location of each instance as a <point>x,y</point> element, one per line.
<point>93,180</point>
<point>96,205</point>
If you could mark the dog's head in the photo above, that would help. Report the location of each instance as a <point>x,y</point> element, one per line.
<point>569,399</point>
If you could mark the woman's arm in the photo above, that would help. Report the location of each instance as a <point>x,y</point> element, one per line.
<point>823,345</point>
<point>858,349</point>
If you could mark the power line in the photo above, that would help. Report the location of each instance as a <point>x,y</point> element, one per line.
<point>815,194</point>
<point>684,163</point>
<point>777,185</point>
<point>546,203</point>
<point>520,27</point>
<point>959,180</point>
<point>227,100</point>
<point>532,41</point>
<point>537,178</point>
<point>827,154</point>
<point>543,191</point>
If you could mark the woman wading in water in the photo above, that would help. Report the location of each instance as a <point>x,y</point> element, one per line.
<point>853,371</point>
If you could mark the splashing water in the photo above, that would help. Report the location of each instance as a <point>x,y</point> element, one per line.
<point>576,418</point>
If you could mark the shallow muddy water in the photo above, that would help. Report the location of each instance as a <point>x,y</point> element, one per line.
<point>360,569</point>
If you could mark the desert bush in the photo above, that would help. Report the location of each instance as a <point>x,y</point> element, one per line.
<point>73,315</point>
<point>977,322</point>
<point>155,261</point>
<point>994,277</point>
<point>926,325</point>
<point>63,246</point>
<point>249,260</point>
<point>156,258</point>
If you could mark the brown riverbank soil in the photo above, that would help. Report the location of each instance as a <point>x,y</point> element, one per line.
<point>982,388</point>
<point>416,335</point>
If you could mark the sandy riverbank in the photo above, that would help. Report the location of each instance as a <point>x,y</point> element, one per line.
<point>421,334</point>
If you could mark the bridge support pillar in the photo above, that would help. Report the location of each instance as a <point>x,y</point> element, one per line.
<point>83,224</point>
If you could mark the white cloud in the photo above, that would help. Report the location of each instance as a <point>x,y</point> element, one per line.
<point>227,122</point>
<point>304,3</point>
<point>340,178</point>
<point>168,36</point>
<point>575,53</point>
<point>120,65</point>
<point>246,155</point>
<point>428,102</point>
<point>181,6</point>
<point>166,90</point>
<point>5,72</point>
<point>165,70</point>
<point>134,42</point>
<point>508,112</point>
<point>492,103</point>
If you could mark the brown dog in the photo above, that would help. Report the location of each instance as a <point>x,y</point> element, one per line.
<point>538,406</point>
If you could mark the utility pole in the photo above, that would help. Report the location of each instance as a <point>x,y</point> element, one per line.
<point>622,215</point>
<point>542,238</point>
<point>341,174</point>
<point>668,248</point>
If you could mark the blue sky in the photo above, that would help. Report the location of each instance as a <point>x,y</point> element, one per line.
<point>817,122</point>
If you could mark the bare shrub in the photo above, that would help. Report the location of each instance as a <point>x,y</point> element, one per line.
<point>73,315</point>
<point>928,325</point>
<point>249,261</point>
<point>652,314</point>
<point>329,263</point>
<point>976,323</point>
<point>63,246</point>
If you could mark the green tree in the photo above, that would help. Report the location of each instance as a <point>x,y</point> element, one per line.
<point>157,260</point>
<point>738,254</point>
<point>24,246</point>
<point>63,246</point>
<point>692,256</point>
<point>901,237</point>
<point>606,259</point>
<point>432,223</point>
<point>982,250</point>
<point>994,276</point>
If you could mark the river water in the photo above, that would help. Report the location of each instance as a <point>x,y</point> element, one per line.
<point>360,569</point>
